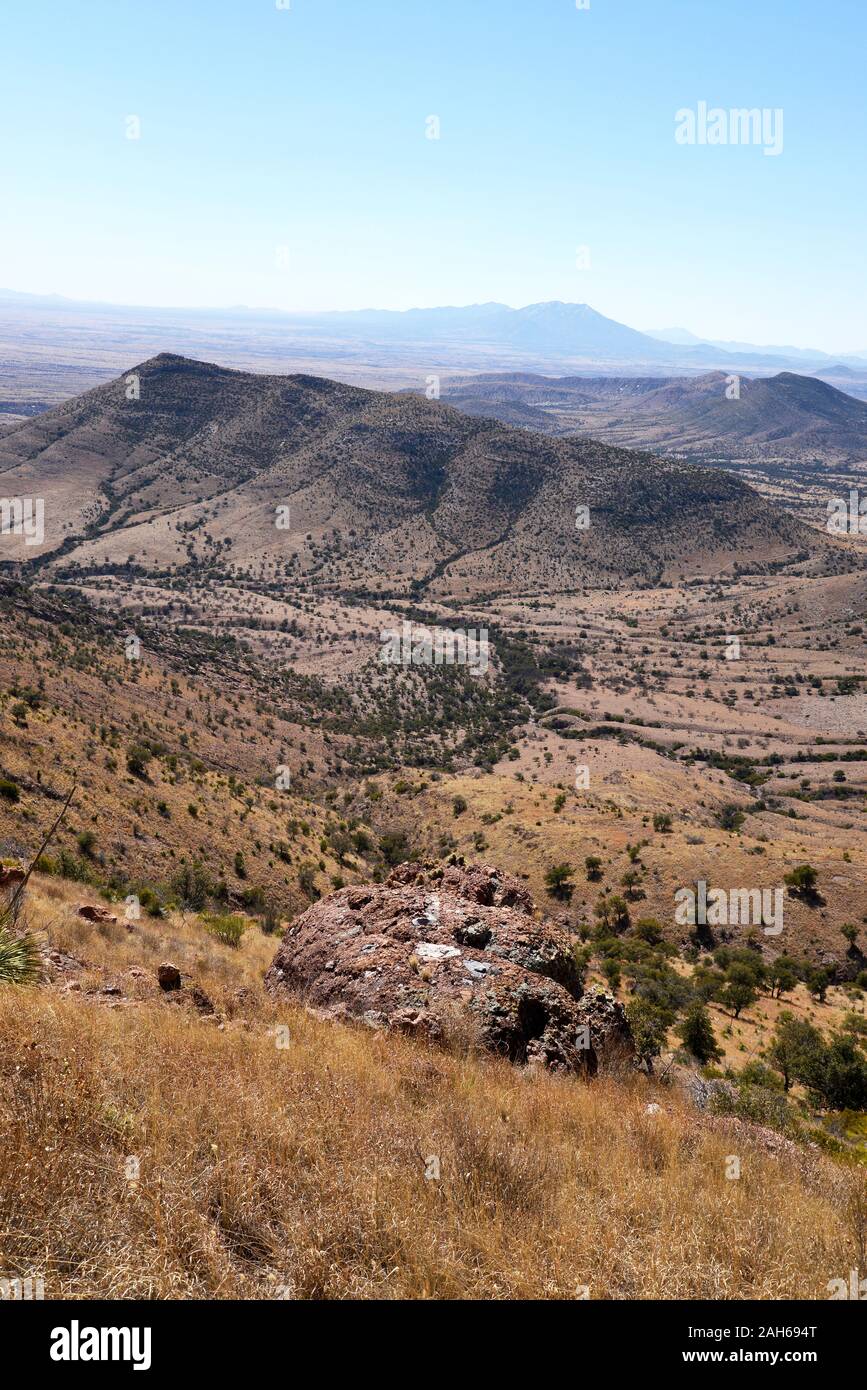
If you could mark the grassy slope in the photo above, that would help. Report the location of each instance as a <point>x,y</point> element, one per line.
<point>298,1170</point>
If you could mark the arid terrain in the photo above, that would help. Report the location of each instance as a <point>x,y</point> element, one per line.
<point>663,685</point>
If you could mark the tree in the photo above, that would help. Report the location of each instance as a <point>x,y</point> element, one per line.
<point>649,1028</point>
<point>557,880</point>
<point>307,880</point>
<point>783,975</point>
<point>795,1045</point>
<point>613,914</point>
<point>850,932</point>
<point>631,882</point>
<point>802,880</point>
<point>817,981</point>
<point>739,991</point>
<point>697,1034</point>
<point>707,982</point>
<point>341,844</point>
<point>593,867</point>
<point>649,930</point>
<point>837,1076</point>
<point>611,971</point>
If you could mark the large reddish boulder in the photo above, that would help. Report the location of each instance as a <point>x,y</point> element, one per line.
<point>446,952</point>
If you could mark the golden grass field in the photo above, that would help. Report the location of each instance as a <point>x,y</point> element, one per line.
<point>267,1171</point>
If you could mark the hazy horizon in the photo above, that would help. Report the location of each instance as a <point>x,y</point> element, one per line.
<point>331,157</point>
<point>267,309</point>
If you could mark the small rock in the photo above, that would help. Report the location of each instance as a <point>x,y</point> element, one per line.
<point>433,950</point>
<point>93,913</point>
<point>168,976</point>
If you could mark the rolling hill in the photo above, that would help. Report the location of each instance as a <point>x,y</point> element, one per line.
<point>783,412</point>
<point>300,477</point>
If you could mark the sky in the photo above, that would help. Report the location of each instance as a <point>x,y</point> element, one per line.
<point>284,158</point>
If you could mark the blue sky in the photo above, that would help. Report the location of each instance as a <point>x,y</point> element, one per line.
<point>283,158</point>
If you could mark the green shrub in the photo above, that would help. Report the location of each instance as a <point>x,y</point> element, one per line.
<point>760,1105</point>
<point>190,886</point>
<point>138,755</point>
<point>225,926</point>
<point>10,790</point>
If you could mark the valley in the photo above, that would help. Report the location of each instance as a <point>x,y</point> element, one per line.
<point>232,646</point>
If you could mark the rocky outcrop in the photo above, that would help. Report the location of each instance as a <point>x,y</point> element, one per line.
<point>92,912</point>
<point>449,953</point>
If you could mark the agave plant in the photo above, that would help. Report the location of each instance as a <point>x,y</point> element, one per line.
<point>20,958</point>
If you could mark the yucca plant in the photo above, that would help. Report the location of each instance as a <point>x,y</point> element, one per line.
<point>20,958</point>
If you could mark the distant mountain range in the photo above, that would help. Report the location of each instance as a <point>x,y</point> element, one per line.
<point>552,336</point>
<point>184,467</point>
<point>684,338</point>
<point>785,414</point>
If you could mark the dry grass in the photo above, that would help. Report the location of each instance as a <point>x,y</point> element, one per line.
<point>267,1171</point>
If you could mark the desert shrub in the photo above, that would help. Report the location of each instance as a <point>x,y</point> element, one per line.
<point>73,868</point>
<point>557,880</point>
<point>731,817</point>
<point>190,886</point>
<point>225,926</point>
<point>138,755</point>
<point>307,880</point>
<point>394,846</point>
<point>802,879</point>
<point>86,842</point>
<point>762,1105</point>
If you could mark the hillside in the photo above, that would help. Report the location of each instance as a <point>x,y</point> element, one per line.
<point>385,493</point>
<point>784,412</point>
<point>257,1152</point>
